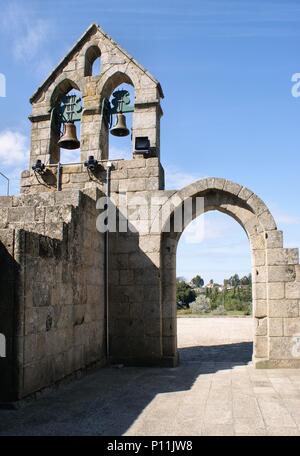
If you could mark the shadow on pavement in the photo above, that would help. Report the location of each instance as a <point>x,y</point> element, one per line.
<point>108,401</point>
<point>229,353</point>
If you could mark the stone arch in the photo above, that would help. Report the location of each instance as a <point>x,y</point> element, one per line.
<point>108,82</point>
<point>265,244</point>
<point>64,86</point>
<point>61,89</point>
<point>112,79</point>
<point>92,53</point>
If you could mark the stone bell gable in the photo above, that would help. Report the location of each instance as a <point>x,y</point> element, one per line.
<point>75,71</point>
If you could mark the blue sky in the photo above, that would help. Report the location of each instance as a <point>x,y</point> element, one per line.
<point>225,67</point>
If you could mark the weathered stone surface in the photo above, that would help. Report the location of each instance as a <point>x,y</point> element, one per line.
<point>232,187</point>
<point>275,327</point>
<point>261,326</point>
<point>274,239</point>
<point>261,346</point>
<point>132,185</point>
<point>6,201</point>
<point>259,257</point>
<point>277,257</point>
<point>267,221</point>
<point>276,290</point>
<point>283,308</point>
<point>260,274</point>
<point>260,291</point>
<point>281,273</point>
<point>260,308</point>
<point>292,326</point>
<point>16,215</point>
<point>59,270</point>
<point>257,240</point>
<point>297,269</point>
<point>283,348</point>
<point>293,290</point>
<point>257,205</point>
<point>245,194</point>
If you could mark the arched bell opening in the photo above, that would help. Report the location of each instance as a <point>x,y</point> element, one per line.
<point>66,123</point>
<point>120,137</point>
<point>117,107</point>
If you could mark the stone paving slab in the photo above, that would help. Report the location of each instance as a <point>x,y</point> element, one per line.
<point>214,391</point>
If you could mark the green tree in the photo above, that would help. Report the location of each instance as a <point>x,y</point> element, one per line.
<point>216,298</point>
<point>234,280</point>
<point>245,280</point>
<point>184,294</point>
<point>197,281</point>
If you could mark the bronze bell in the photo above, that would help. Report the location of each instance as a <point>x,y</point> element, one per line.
<point>120,128</point>
<point>69,138</point>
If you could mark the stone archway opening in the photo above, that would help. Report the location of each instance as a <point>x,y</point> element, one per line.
<point>257,221</point>
<point>68,156</point>
<point>66,92</point>
<point>214,292</point>
<point>121,147</point>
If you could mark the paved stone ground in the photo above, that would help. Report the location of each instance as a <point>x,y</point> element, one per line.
<point>214,391</point>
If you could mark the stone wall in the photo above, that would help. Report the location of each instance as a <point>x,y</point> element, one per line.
<point>142,265</point>
<point>138,174</point>
<point>134,299</point>
<point>53,312</point>
<point>283,303</point>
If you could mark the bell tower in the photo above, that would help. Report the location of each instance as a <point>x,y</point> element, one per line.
<point>85,119</point>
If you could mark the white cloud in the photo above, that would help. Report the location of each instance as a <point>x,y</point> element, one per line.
<point>43,67</point>
<point>223,250</point>
<point>176,178</point>
<point>27,47</point>
<point>73,156</point>
<point>27,32</point>
<point>13,149</point>
<point>117,153</point>
<point>69,156</point>
<point>201,230</point>
<point>205,228</point>
<point>14,155</point>
<point>287,219</point>
<point>283,217</point>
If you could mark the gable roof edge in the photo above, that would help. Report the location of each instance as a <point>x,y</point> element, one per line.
<point>66,58</point>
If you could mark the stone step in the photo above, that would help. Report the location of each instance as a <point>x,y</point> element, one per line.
<point>10,216</point>
<point>43,213</point>
<point>45,199</point>
<point>6,201</point>
<point>52,230</point>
